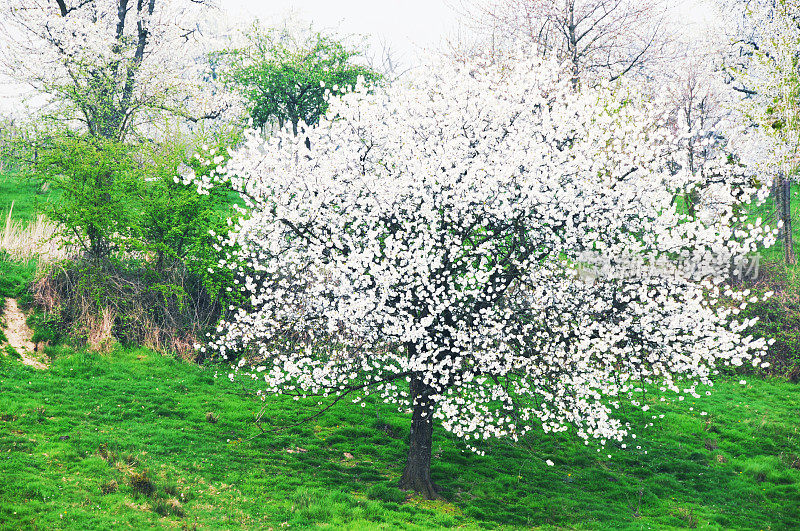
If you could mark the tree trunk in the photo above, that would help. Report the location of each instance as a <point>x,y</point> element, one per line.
<point>788,244</point>
<point>573,43</point>
<point>783,210</point>
<point>417,474</point>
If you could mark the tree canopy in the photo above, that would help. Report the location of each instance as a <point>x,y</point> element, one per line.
<point>508,246</point>
<point>114,66</point>
<point>285,77</point>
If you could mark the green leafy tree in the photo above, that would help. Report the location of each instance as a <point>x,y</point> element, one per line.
<point>180,227</point>
<point>94,181</point>
<point>285,78</point>
<point>147,240</point>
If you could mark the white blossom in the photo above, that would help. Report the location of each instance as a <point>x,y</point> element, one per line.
<point>507,244</point>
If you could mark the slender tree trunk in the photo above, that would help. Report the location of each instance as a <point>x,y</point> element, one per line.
<point>573,43</point>
<point>788,243</point>
<point>417,474</point>
<point>783,212</point>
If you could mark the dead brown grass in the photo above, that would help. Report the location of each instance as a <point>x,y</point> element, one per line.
<point>37,239</point>
<point>103,305</point>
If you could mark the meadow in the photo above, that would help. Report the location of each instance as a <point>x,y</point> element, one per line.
<point>21,193</point>
<point>133,438</point>
<point>406,226</point>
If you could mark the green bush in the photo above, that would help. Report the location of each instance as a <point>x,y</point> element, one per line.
<point>146,241</point>
<point>97,183</point>
<point>46,326</point>
<point>780,320</point>
<point>179,227</point>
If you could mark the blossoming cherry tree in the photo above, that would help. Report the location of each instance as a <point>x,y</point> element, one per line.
<point>486,246</point>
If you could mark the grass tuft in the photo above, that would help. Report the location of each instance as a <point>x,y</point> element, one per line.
<point>109,487</point>
<point>142,484</point>
<point>169,507</point>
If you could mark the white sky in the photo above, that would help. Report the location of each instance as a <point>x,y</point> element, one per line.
<point>407,27</point>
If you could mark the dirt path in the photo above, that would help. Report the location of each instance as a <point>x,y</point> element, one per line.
<point>19,335</point>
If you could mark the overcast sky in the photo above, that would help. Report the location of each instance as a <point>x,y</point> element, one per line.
<point>407,27</point>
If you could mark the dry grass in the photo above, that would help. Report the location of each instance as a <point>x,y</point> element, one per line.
<point>100,305</point>
<point>37,239</point>
<point>98,328</point>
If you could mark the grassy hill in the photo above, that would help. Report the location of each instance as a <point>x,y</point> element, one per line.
<point>134,438</point>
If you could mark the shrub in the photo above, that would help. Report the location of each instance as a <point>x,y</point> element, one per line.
<point>147,244</point>
<point>779,320</point>
<point>96,182</point>
<point>97,304</point>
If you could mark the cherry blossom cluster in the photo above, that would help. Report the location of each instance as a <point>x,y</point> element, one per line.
<point>436,231</point>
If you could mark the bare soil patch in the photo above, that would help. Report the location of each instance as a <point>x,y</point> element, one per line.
<point>20,335</point>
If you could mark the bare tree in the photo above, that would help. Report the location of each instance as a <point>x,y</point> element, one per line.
<point>697,111</point>
<point>602,39</point>
<point>695,92</point>
<point>387,62</point>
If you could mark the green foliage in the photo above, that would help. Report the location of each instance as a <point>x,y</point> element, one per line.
<point>47,326</point>
<point>779,317</point>
<point>96,181</point>
<point>180,227</point>
<point>147,240</point>
<point>285,78</point>
<point>15,277</point>
<point>114,199</point>
<point>72,436</point>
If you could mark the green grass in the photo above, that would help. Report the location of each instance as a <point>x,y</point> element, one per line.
<point>766,211</point>
<point>14,276</point>
<point>78,440</point>
<point>24,193</point>
<point>135,439</point>
<point>779,316</point>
